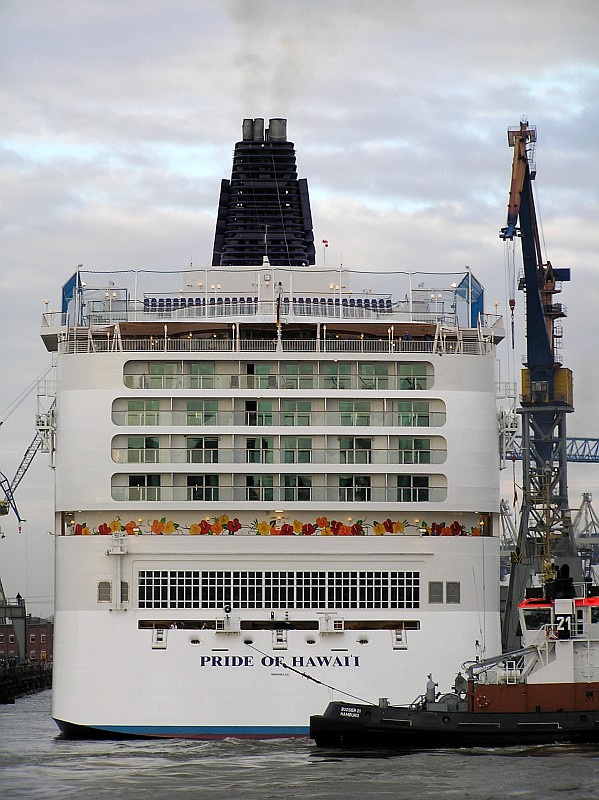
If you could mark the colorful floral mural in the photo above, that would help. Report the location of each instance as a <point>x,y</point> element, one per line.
<point>224,525</point>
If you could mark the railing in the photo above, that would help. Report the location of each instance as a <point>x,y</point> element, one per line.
<point>236,381</point>
<point>276,494</point>
<point>269,419</point>
<point>296,457</point>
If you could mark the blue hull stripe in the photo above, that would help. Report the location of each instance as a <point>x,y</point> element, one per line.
<point>216,731</point>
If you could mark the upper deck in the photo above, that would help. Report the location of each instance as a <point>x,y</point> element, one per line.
<point>270,308</point>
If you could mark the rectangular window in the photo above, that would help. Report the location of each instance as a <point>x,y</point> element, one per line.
<point>163,375</point>
<point>259,487</point>
<point>298,449</point>
<point>144,487</point>
<point>435,591</point>
<point>1,638</point>
<point>202,449</point>
<point>336,375</point>
<point>412,488</point>
<point>354,488</point>
<point>202,487</point>
<point>104,591</point>
<point>354,412</point>
<point>202,412</point>
<point>298,488</point>
<point>414,451</point>
<point>11,638</point>
<point>373,376</point>
<point>201,375</point>
<point>259,450</point>
<point>143,450</point>
<point>142,412</point>
<point>299,376</point>
<point>213,589</point>
<point>354,450</point>
<point>124,591</point>
<point>258,412</point>
<point>42,637</point>
<point>412,375</point>
<point>32,638</point>
<point>413,413</point>
<point>452,592</point>
<point>297,412</point>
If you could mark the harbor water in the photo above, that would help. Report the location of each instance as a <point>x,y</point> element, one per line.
<point>37,764</point>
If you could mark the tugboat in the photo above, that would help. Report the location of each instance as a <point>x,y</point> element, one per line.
<point>545,692</point>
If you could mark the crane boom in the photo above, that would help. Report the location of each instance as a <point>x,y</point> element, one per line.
<point>545,522</point>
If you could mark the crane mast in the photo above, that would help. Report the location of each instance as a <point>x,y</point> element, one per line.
<point>546,398</point>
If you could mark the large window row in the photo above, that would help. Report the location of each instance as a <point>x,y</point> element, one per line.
<point>225,412</point>
<point>333,374</point>
<point>228,449</point>
<point>268,487</point>
<point>275,590</point>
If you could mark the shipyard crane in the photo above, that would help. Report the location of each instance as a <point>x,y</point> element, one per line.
<point>545,522</point>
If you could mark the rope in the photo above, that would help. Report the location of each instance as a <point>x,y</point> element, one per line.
<point>311,678</point>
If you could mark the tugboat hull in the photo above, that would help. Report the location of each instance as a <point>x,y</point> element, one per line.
<point>402,728</point>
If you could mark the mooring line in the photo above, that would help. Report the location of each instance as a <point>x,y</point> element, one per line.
<point>310,677</point>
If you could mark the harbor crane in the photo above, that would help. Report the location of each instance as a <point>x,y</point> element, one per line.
<point>547,398</point>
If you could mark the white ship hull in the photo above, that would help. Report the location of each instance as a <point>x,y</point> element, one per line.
<point>110,675</point>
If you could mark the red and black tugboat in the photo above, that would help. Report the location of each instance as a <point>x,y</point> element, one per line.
<point>545,692</point>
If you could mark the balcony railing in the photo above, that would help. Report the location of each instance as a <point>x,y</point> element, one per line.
<point>297,458</point>
<point>318,382</point>
<point>259,419</point>
<point>277,494</point>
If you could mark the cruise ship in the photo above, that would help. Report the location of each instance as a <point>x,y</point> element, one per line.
<point>274,487</point>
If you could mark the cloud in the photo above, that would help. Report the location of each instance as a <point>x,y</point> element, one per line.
<point>119,122</point>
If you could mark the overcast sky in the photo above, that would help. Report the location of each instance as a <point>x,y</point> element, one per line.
<point>119,120</point>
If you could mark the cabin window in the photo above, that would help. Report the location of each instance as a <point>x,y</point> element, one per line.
<point>201,375</point>
<point>354,488</point>
<point>535,618</point>
<point>414,451</point>
<point>413,413</point>
<point>354,450</point>
<point>412,488</point>
<point>452,592</point>
<point>354,412</point>
<point>202,412</point>
<point>142,412</point>
<point>104,591</point>
<point>202,449</point>
<point>259,450</point>
<point>297,412</point>
<point>298,449</point>
<point>435,591</point>
<point>202,487</point>
<point>298,487</point>
<point>298,376</point>
<point>259,487</point>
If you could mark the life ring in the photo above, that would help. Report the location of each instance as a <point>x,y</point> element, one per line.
<point>482,701</point>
